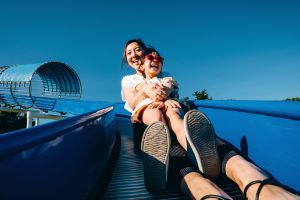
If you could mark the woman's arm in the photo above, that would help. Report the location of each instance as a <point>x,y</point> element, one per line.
<point>133,97</point>
<point>136,94</point>
<point>154,91</point>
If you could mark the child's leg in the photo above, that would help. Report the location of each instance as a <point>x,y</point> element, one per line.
<point>197,130</point>
<point>152,115</point>
<point>174,117</point>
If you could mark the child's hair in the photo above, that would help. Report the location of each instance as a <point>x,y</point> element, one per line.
<point>151,50</point>
<point>137,40</point>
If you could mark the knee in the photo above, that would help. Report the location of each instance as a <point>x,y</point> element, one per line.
<point>156,113</point>
<point>152,115</point>
<point>174,112</point>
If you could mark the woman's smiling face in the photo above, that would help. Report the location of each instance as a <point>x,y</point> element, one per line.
<point>134,55</point>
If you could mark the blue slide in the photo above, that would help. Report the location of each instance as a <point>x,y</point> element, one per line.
<point>70,158</point>
<point>92,152</point>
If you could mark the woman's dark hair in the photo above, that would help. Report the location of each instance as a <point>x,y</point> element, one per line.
<point>137,40</point>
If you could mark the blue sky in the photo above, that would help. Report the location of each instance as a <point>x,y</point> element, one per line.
<point>244,50</point>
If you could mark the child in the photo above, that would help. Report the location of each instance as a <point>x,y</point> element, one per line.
<point>152,69</point>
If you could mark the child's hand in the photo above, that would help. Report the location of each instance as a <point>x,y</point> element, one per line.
<point>171,104</point>
<point>156,104</point>
<point>155,91</point>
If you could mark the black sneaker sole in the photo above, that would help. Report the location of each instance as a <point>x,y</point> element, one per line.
<point>201,138</point>
<point>155,149</point>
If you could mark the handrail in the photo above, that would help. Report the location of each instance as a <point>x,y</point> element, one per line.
<point>282,109</point>
<point>26,138</point>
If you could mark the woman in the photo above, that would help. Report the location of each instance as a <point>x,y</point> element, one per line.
<point>250,179</point>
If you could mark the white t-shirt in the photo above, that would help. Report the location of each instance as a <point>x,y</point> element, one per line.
<point>130,81</point>
<point>135,79</point>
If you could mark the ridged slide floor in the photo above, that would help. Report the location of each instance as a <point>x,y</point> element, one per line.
<point>127,181</point>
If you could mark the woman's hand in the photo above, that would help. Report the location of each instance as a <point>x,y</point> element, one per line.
<point>155,91</point>
<point>171,104</point>
<point>156,104</point>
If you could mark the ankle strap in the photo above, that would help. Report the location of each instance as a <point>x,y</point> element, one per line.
<point>248,186</point>
<point>262,184</point>
<point>214,196</point>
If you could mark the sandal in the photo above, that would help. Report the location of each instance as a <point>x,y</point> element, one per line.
<point>214,196</point>
<point>262,184</point>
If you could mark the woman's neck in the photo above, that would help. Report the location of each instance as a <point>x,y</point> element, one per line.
<point>139,73</point>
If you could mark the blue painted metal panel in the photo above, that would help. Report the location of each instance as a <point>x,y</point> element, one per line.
<point>59,160</point>
<point>79,106</point>
<point>120,110</point>
<point>284,109</point>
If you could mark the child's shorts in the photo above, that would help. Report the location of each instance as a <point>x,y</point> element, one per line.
<point>137,117</point>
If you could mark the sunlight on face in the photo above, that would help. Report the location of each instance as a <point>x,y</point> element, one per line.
<point>153,67</point>
<point>134,55</point>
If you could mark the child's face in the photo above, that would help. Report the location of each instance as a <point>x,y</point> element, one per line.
<point>152,65</point>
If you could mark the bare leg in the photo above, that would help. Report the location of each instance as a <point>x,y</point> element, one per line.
<point>199,186</point>
<point>174,117</point>
<point>152,115</point>
<point>243,172</point>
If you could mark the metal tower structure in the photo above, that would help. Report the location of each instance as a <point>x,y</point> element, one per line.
<point>38,85</point>
<point>31,87</point>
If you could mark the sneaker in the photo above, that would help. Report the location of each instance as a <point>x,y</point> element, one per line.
<point>201,143</point>
<point>155,149</point>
